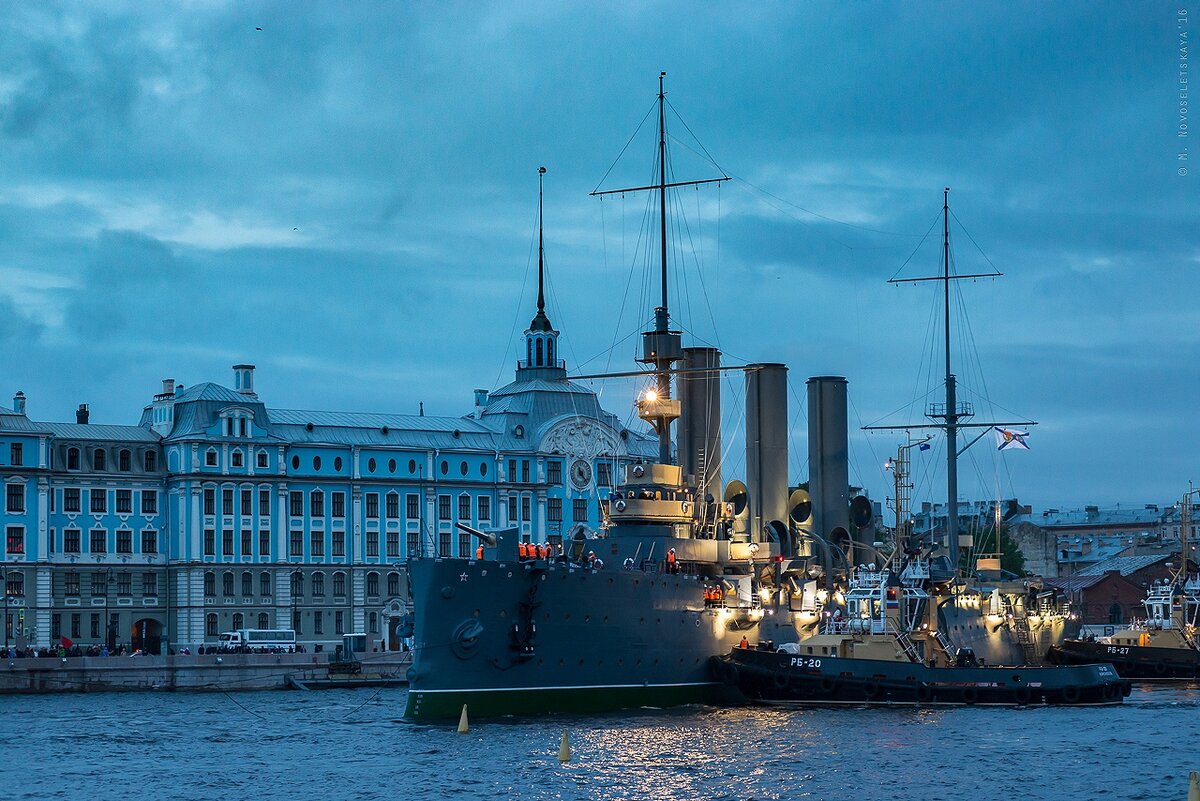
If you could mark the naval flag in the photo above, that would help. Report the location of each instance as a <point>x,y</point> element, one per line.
<point>1007,438</point>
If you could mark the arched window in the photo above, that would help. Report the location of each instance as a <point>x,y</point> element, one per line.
<point>14,587</point>
<point>373,584</point>
<point>98,462</point>
<point>210,625</point>
<point>297,584</point>
<point>73,458</point>
<point>1116,615</point>
<point>227,584</point>
<point>529,352</point>
<point>264,620</point>
<point>210,583</point>
<point>550,352</point>
<point>318,583</point>
<point>264,585</point>
<point>339,583</point>
<point>247,586</point>
<point>393,583</point>
<point>238,620</point>
<point>124,461</point>
<point>539,353</point>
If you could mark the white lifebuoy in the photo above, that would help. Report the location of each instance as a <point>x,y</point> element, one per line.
<point>685,506</point>
<point>639,471</point>
<point>620,506</point>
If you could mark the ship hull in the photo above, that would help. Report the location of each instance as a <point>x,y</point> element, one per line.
<point>1131,661</point>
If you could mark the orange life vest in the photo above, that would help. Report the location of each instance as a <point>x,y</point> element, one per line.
<point>523,549</point>
<point>479,552</point>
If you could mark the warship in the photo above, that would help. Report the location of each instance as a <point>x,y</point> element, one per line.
<point>1165,645</point>
<point>684,566</point>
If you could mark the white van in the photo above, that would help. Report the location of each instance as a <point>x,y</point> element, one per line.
<point>252,640</point>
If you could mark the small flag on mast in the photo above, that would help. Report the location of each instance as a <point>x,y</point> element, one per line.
<point>1007,438</point>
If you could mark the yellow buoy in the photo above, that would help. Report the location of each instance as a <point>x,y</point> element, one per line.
<point>564,749</point>
<point>463,728</point>
<point>1194,786</point>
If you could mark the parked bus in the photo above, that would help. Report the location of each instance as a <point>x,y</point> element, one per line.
<point>253,640</point>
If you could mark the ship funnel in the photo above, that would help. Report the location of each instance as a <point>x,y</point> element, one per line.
<point>766,445</point>
<point>700,420</point>
<point>828,455</point>
<point>737,499</point>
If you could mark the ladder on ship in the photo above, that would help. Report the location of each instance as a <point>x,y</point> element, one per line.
<point>1020,628</point>
<point>945,643</point>
<point>909,647</point>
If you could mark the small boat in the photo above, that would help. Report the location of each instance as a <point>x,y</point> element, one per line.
<point>787,677</point>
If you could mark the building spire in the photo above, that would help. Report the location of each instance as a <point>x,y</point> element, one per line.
<point>541,248</point>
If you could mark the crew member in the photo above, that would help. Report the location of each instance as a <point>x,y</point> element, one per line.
<point>744,644</point>
<point>672,565</point>
<point>522,549</point>
<point>479,551</point>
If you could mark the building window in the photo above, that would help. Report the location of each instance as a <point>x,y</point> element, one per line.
<point>55,627</point>
<point>237,621</point>
<point>99,584</point>
<point>372,543</point>
<point>264,503</point>
<point>339,543</point>
<point>210,625</point>
<point>525,471</point>
<point>372,505</point>
<point>512,469</point>
<point>393,544</point>
<point>512,508</point>
<point>151,461</point>
<point>264,620</point>
<point>95,627</point>
<point>393,505</point>
<point>73,458</point>
<point>373,623</point>
<point>296,622</point>
<point>235,459</point>
<point>99,541</point>
<point>264,543</point>
<point>98,501</point>
<point>337,504</point>
<point>15,539</point>
<point>227,542</point>
<point>393,584</point>
<point>149,541</point>
<point>316,504</point>
<point>247,584</point>
<point>264,584</point>
<point>124,541</point>
<point>579,510</point>
<point>210,542</point>
<point>316,544</point>
<point>525,515</point>
<point>261,458</point>
<point>124,584</point>
<point>485,509</point>
<point>318,622</point>
<point>373,584</point>
<point>227,584</point>
<point>444,543</point>
<point>210,583</point>
<point>98,460</point>
<point>227,501</point>
<point>71,499</point>
<point>71,585</point>
<point>554,472</point>
<point>15,502</point>
<point>15,455</point>
<point>297,584</point>
<point>210,501</point>
<point>414,543</point>
<point>14,586</point>
<point>150,584</point>
<point>124,501</point>
<point>296,544</point>
<point>464,507</point>
<point>339,583</point>
<point>464,543</point>
<point>412,507</point>
<point>124,459</point>
<point>247,501</point>
<point>604,474</point>
<point>296,503</point>
<point>339,622</point>
<point>210,457</point>
<point>149,502</point>
<point>71,537</point>
<point>443,507</point>
<point>247,543</point>
<point>554,510</point>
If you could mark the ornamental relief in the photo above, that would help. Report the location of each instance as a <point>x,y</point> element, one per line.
<point>582,439</point>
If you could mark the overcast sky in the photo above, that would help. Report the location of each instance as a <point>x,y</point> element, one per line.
<point>347,198</point>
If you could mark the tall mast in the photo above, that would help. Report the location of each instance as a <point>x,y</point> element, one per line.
<point>951,399</point>
<point>661,347</point>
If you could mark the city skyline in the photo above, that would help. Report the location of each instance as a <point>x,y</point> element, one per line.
<point>347,197</point>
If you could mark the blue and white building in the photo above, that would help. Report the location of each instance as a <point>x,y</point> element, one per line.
<point>218,512</point>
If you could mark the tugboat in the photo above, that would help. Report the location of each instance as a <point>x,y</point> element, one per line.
<point>1165,645</point>
<point>875,656</point>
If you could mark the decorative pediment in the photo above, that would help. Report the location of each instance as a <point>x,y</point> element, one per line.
<point>583,439</point>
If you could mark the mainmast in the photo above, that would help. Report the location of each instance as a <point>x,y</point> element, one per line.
<point>661,347</point>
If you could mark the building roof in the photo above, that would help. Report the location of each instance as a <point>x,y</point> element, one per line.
<point>394,422</point>
<point>1125,565</point>
<point>1092,516</point>
<point>77,431</point>
<point>208,391</point>
<point>1075,583</point>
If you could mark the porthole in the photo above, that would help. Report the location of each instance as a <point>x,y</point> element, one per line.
<point>337,463</point>
<point>462,468</point>
<point>391,465</point>
<point>370,465</point>
<point>295,462</point>
<point>316,463</point>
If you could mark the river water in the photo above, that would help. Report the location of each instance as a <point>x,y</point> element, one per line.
<point>352,744</point>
